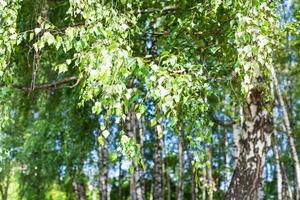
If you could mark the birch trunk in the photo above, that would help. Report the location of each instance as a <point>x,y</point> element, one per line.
<point>209,175</point>
<point>120,180</point>
<point>139,176</point>
<point>168,180</point>
<point>180,177</point>
<point>236,131</point>
<point>141,191</point>
<point>103,182</point>
<point>276,155</point>
<point>79,190</point>
<point>226,158</point>
<point>289,133</point>
<point>135,131</point>
<point>193,188</point>
<point>254,143</point>
<point>158,165</point>
<point>278,168</point>
<point>131,130</point>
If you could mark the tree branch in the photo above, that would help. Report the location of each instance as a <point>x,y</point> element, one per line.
<point>164,9</point>
<point>54,84</point>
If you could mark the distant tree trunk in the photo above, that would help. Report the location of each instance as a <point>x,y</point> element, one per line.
<point>135,131</point>
<point>168,182</point>
<point>131,130</point>
<point>254,143</point>
<point>4,187</point>
<point>151,191</point>
<point>209,174</point>
<point>289,133</point>
<point>79,189</point>
<point>193,187</point>
<point>278,168</point>
<point>203,185</point>
<point>132,187</point>
<point>103,181</point>
<point>226,158</point>
<point>287,195</point>
<point>180,191</point>
<point>236,131</point>
<point>120,180</point>
<point>140,190</point>
<point>158,165</point>
<point>4,191</point>
<point>3,196</point>
<point>276,154</point>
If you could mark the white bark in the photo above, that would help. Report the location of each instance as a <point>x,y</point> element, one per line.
<point>103,180</point>
<point>276,154</point>
<point>158,166</point>
<point>180,178</point>
<point>278,168</point>
<point>236,131</point>
<point>254,144</point>
<point>289,133</point>
<point>136,181</point>
<point>227,159</point>
<point>209,175</point>
<point>140,175</point>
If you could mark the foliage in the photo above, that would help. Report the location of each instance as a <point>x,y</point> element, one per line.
<point>72,71</point>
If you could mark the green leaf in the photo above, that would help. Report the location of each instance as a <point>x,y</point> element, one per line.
<point>31,36</point>
<point>153,122</point>
<point>48,38</point>
<point>101,140</point>
<point>124,139</point>
<point>97,108</point>
<point>61,68</point>
<point>113,156</point>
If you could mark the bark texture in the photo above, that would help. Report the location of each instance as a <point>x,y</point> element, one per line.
<point>254,143</point>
